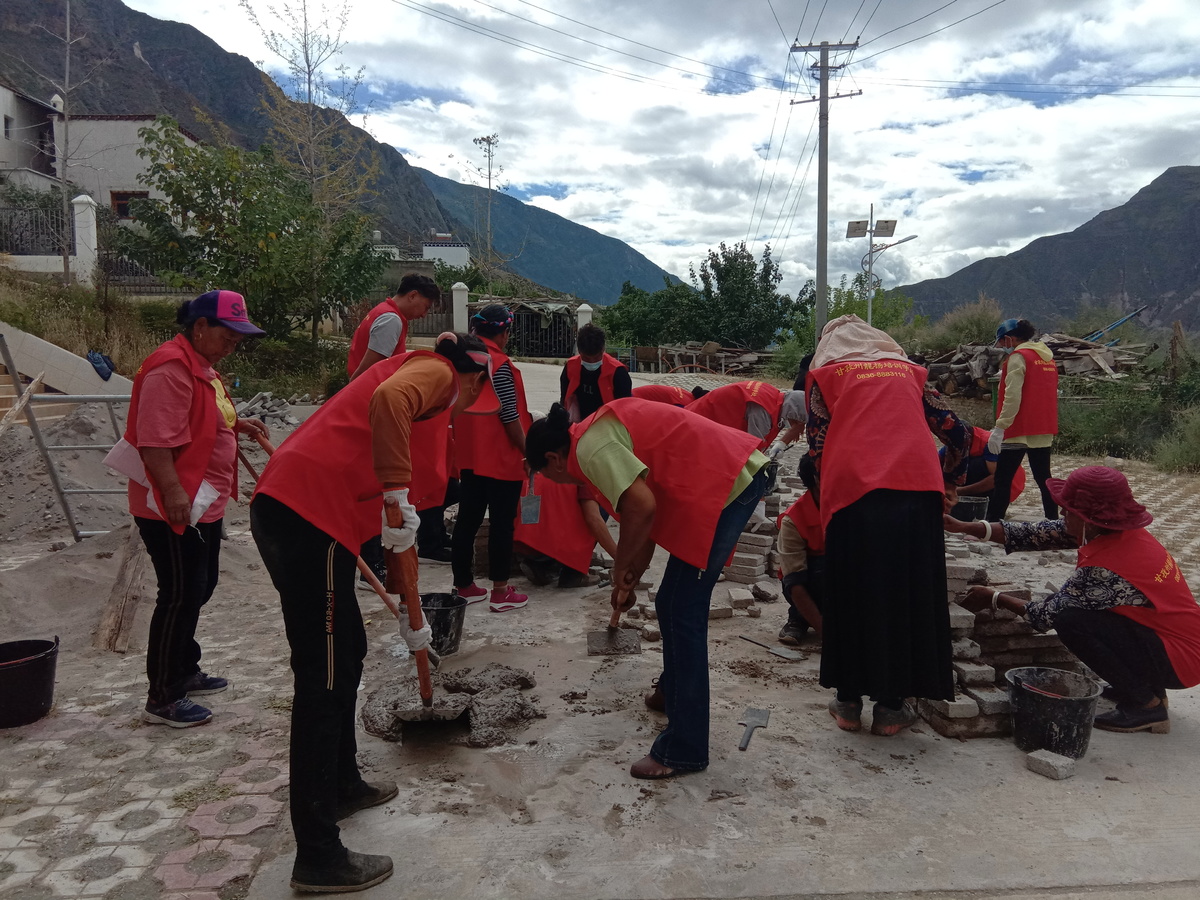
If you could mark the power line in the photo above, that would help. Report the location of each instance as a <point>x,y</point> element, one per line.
<point>1002,87</point>
<point>930,34</point>
<point>906,24</point>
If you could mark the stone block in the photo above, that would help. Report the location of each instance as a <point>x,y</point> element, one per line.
<point>991,700</point>
<point>729,575</point>
<point>1060,654</point>
<point>752,539</point>
<point>754,612</point>
<point>1006,643</point>
<point>970,673</point>
<point>962,621</point>
<point>962,707</point>
<point>1001,627</point>
<point>959,571</point>
<point>1009,659</point>
<point>964,649</point>
<point>720,612</point>
<point>1050,764</point>
<point>976,727</point>
<point>754,572</point>
<point>740,598</point>
<point>650,633</point>
<point>766,590</point>
<point>749,559</point>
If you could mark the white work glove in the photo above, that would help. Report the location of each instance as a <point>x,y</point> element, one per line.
<point>399,539</point>
<point>776,449</point>
<point>995,439</point>
<point>416,639</point>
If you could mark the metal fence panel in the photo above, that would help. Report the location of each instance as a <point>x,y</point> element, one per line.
<point>34,232</point>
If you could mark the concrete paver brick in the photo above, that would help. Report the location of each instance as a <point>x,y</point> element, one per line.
<point>1052,765</point>
<point>992,700</point>
<point>970,673</point>
<point>959,708</point>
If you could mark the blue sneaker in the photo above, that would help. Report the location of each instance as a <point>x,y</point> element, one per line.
<point>200,684</point>
<point>181,713</point>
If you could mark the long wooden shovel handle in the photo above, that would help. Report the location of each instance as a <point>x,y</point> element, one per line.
<point>402,570</point>
<point>363,568</point>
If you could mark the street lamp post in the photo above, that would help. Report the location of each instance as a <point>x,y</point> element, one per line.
<point>871,228</point>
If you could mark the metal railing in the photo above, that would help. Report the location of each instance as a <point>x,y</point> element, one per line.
<point>34,232</point>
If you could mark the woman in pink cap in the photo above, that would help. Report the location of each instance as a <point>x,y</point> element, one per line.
<point>183,424</point>
<point>1126,612</point>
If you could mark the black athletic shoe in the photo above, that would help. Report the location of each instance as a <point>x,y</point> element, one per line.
<point>1127,721</point>
<point>357,872</point>
<point>792,634</point>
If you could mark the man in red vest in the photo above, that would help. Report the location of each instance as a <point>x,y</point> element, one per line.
<point>756,408</point>
<point>1126,611</point>
<point>802,558</point>
<point>592,378</point>
<point>384,331</point>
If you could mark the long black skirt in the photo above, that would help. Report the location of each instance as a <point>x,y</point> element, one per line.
<point>886,627</point>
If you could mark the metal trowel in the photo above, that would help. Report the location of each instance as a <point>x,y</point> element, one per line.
<point>531,505</point>
<point>781,652</point>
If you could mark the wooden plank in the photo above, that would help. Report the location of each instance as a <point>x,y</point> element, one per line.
<point>116,622</point>
<point>11,415</point>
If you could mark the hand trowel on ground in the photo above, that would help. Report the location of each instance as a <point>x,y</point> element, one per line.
<point>781,652</point>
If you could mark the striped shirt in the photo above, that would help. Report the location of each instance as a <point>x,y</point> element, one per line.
<point>506,391</point>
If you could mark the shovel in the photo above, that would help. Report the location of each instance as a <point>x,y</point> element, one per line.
<point>752,718</point>
<point>531,505</point>
<point>781,652</point>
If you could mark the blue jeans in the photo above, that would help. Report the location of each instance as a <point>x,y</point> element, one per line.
<point>682,606</point>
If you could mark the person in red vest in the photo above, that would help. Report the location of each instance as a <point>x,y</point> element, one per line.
<point>490,454</point>
<point>663,393</point>
<point>592,378</point>
<point>756,408</point>
<point>560,544</point>
<point>801,545</point>
<point>320,496</point>
<point>981,472</point>
<point>1126,611</point>
<point>1028,417</point>
<point>679,482</point>
<point>384,331</point>
<point>184,428</point>
<point>886,626</point>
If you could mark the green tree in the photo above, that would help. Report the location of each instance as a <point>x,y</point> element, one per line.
<point>240,220</point>
<point>740,302</point>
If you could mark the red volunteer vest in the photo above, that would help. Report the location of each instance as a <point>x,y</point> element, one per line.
<point>867,400</point>
<point>693,464</point>
<point>608,368</point>
<point>806,516</point>
<point>727,405</point>
<point>663,393</point>
<point>979,441</point>
<point>1142,561</point>
<point>191,462</point>
<point>480,441</point>
<point>1038,412</point>
<point>362,334</point>
<point>324,471</point>
<point>561,532</point>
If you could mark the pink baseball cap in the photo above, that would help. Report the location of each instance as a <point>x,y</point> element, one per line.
<point>226,308</point>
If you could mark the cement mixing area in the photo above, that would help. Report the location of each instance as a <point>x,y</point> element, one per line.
<point>528,793</point>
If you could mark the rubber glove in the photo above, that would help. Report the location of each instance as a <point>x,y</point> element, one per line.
<point>995,439</point>
<point>399,539</point>
<point>776,449</point>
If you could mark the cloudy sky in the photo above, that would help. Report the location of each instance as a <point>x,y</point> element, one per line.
<point>673,125</point>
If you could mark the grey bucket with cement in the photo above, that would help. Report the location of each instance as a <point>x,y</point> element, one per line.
<point>1061,723</point>
<point>445,614</point>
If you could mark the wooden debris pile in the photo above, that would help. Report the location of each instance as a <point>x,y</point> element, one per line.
<point>971,369</point>
<point>699,356</point>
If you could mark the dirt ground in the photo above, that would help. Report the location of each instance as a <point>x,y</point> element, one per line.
<point>94,804</point>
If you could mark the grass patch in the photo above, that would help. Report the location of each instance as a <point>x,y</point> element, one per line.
<point>1179,450</point>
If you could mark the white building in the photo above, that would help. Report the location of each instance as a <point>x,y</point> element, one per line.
<point>103,158</point>
<point>27,145</point>
<point>451,252</point>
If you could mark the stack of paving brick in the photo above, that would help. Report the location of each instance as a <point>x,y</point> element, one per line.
<point>985,647</point>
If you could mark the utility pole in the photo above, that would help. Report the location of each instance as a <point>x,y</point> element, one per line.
<point>823,68</point>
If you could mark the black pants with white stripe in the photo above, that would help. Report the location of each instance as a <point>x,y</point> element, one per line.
<point>315,577</point>
<point>186,567</point>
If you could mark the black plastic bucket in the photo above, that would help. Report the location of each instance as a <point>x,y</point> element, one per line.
<point>969,509</point>
<point>1059,720</point>
<point>445,614</point>
<point>26,681</point>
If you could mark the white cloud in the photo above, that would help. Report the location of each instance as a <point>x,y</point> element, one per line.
<point>1099,98</point>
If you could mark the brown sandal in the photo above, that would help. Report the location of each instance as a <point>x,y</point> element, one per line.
<point>648,768</point>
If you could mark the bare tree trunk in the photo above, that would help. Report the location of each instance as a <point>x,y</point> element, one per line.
<point>64,155</point>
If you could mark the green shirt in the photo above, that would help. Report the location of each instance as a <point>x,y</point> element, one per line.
<point>605,455</point>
